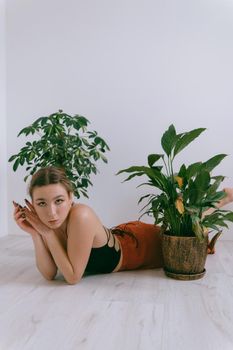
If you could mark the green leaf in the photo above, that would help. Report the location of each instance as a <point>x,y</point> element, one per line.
<point>214,227</point>
<point>202,184</point>
<point>216,196</point>
<point>183,171</point>
<point>25,178</point>
<point>132,169</point>
<point>229,216</point>
<point>156,176</point>
<point>37,121</point>
<point>31,156</point>
<point>97,140</point>
<point>44,120</point>
<point>192,192</point>
<point>196,226</point>
<point>202,180</point>
<point>193,169</point>
<point>104,159</point>
<point>210,164</point>
<point>16,164</point>
<point>143,197</point>
<point>80,122</point>
<point>213,188</point>
<point>168,140</point>
<point>12,158</point>
<point>152,158</point>
<point>186,139</point>
<point>26,131</point>
<point>84,194</point>
<point>133,175</point>
<point>21,160</point>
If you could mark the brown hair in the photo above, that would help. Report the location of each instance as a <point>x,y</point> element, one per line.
<point>48,176</point>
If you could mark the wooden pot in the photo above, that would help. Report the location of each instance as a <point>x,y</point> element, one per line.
<point>184,257</point>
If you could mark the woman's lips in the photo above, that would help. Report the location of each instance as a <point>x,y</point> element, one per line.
<point>53,221</point>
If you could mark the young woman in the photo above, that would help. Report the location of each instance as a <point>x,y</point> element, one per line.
<point>71,238</point>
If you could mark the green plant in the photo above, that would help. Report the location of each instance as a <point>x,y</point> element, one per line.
<point>63,141</point>
<point>186,194</point>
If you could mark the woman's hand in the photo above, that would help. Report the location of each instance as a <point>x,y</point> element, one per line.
<point>21,221</point>
<point>33,219</point>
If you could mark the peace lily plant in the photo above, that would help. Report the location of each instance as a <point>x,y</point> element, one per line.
<point>184,195</point>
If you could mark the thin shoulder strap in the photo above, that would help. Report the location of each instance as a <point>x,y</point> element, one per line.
<point>108,233</point>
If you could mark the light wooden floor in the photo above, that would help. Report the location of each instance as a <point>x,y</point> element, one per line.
<point>123,311</point>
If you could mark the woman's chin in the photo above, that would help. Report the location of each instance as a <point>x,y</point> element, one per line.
<point>54,224</point>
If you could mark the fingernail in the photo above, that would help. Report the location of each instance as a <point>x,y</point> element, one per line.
<point>26,200</point>
<point>17,204</point>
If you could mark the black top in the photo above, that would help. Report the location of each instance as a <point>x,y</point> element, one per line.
<point>105,258</point>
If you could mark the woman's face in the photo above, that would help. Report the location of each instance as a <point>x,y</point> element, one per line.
<point>52,204</point>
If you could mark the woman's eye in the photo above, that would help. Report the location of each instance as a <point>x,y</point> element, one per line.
<point>59,201</point>
<point>41,204</point>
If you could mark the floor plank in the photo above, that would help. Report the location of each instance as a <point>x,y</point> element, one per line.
<point>125,310</point>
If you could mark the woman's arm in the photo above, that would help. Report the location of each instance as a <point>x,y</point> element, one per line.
<point>44,259</point>
<point>226,200</point>
<point>71,274</point>
<point>82,227</point>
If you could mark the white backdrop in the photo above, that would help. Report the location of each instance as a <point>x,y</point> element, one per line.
<point>132,67</point>
<point>3,149</point>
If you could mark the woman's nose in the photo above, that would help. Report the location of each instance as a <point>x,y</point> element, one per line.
<point>51,211</point>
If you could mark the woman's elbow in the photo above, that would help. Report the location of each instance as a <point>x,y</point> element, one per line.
<point>49,277</point>
<point>73,279</point>
<point>48,274</point>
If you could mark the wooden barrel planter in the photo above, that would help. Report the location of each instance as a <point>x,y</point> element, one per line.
<point>184,257</point>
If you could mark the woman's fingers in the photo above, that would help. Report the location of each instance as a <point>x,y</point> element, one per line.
<point>29,213</point>
<point>30,206</point>
<point>30,216</point>
<point>19,215</point>
<point>19,212</point>
<point>22,218</point>
<point>17,207</point>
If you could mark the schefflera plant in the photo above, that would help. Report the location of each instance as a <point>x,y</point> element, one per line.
<point>63,141</point>
<point>184,195</point>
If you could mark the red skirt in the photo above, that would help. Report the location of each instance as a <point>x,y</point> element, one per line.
<point>140,245</point>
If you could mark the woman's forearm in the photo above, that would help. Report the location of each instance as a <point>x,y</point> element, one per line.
<point>61,259</point>
<point>44,260</point>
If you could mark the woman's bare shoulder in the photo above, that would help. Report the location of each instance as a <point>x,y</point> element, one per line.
<point>81,211</point>
<point>82,217</point>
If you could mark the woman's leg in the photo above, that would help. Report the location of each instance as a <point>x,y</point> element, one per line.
<point>226,200</point>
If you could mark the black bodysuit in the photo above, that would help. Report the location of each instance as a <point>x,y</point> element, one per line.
<point>105,258</point>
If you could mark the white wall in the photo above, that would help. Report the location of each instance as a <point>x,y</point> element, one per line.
<point>132,67</point>
<point>3,149</point>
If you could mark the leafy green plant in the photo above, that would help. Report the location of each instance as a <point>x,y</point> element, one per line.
<point>184,195</point>
<point>63,141</point>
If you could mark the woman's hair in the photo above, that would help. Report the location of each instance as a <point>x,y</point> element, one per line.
<point>48,176</point>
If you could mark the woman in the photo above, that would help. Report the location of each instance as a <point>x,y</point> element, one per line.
<point>71,238</point>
